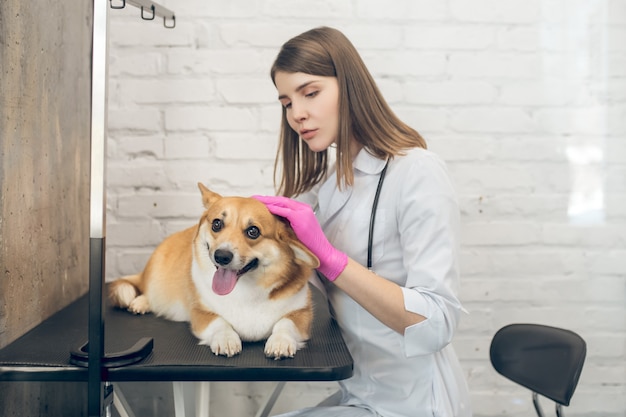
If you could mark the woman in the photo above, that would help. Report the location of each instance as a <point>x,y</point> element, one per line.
<point>399,317</point>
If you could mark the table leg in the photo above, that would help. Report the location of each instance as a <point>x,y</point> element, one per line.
<point>190,394</point>
<point>203,395</point>
<point>120,403</point>
<point>270,400</point>
<point>182,396</point>
<point>191,399</point>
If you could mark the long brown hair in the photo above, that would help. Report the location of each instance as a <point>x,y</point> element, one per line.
<point>364,115</point>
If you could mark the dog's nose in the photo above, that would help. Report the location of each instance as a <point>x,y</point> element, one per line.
<point>223,257</point>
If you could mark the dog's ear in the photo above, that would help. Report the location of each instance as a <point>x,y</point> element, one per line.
<point>302,253</point>
<point>208,196</point>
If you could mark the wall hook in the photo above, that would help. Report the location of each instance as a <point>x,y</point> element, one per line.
<point>118,7</point>
<point>148,6</point>
<point>148,18</point>
<point>173,25</point>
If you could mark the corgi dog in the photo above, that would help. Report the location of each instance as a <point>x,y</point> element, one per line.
<point>240,274</point>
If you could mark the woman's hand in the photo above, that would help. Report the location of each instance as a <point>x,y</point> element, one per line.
<point>308,230</point>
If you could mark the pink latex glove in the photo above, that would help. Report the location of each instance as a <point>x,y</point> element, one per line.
<point>309,231</point>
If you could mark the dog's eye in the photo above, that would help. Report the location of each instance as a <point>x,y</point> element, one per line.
<point>253,232</point>
<point>217,225</point>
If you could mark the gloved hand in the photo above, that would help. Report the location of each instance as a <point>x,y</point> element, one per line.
<point>308,230</point>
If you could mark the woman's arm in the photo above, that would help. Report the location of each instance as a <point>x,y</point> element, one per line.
<point>382,298</point>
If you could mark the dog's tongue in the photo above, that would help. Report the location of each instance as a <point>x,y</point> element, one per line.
<point>224,281</point>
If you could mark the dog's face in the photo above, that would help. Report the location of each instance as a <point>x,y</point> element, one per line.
<point>243,240</point>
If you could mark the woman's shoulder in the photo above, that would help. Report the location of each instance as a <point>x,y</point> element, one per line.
<point>422,158</point>
<point>309,197</point>
<point>424,169</point>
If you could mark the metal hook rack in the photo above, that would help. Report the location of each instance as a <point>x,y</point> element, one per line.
<point>148,7</point>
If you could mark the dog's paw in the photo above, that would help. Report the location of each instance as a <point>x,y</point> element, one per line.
<point>122,293</point>
<point>221,338</point>
<point>227,343</point>
<point>281,345</point>
<point>139,305</point>
<point>284,341</point>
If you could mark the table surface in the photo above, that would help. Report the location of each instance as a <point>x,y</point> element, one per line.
<point>43,354</point>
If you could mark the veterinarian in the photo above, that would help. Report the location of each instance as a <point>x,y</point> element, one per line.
<point>339,143</point>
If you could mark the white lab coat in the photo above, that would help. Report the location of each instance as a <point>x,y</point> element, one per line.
<point>416,245</point>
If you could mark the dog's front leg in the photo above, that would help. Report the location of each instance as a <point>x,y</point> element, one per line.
<point>284,341</point>
<point>215,332</point>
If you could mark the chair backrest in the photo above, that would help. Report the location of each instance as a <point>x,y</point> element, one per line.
<point>547,360</point>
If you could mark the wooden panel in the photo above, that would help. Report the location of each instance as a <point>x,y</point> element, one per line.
<point>45,70</point>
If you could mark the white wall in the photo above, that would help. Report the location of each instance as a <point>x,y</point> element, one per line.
<point>524,99</point>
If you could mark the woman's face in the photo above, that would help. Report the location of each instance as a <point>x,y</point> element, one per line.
<point>312,106</point>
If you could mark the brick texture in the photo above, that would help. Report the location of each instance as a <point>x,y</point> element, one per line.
<point>525,100</point>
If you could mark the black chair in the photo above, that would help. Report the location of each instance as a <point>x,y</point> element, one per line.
<point>546,360</point>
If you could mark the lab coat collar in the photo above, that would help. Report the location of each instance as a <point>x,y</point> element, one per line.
<point>331,199</point>
<point>368,163</point>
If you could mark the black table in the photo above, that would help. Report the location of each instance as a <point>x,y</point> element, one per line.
<point>43,354</point>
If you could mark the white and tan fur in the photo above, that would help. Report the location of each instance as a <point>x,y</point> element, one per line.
<point>270,299</point>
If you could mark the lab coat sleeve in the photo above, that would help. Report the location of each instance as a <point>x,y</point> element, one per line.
<point>428,220</point>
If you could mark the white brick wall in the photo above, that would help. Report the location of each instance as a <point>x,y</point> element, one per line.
<point>524,99</point>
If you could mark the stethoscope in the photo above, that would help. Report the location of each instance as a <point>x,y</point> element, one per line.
<point>370,237</point>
